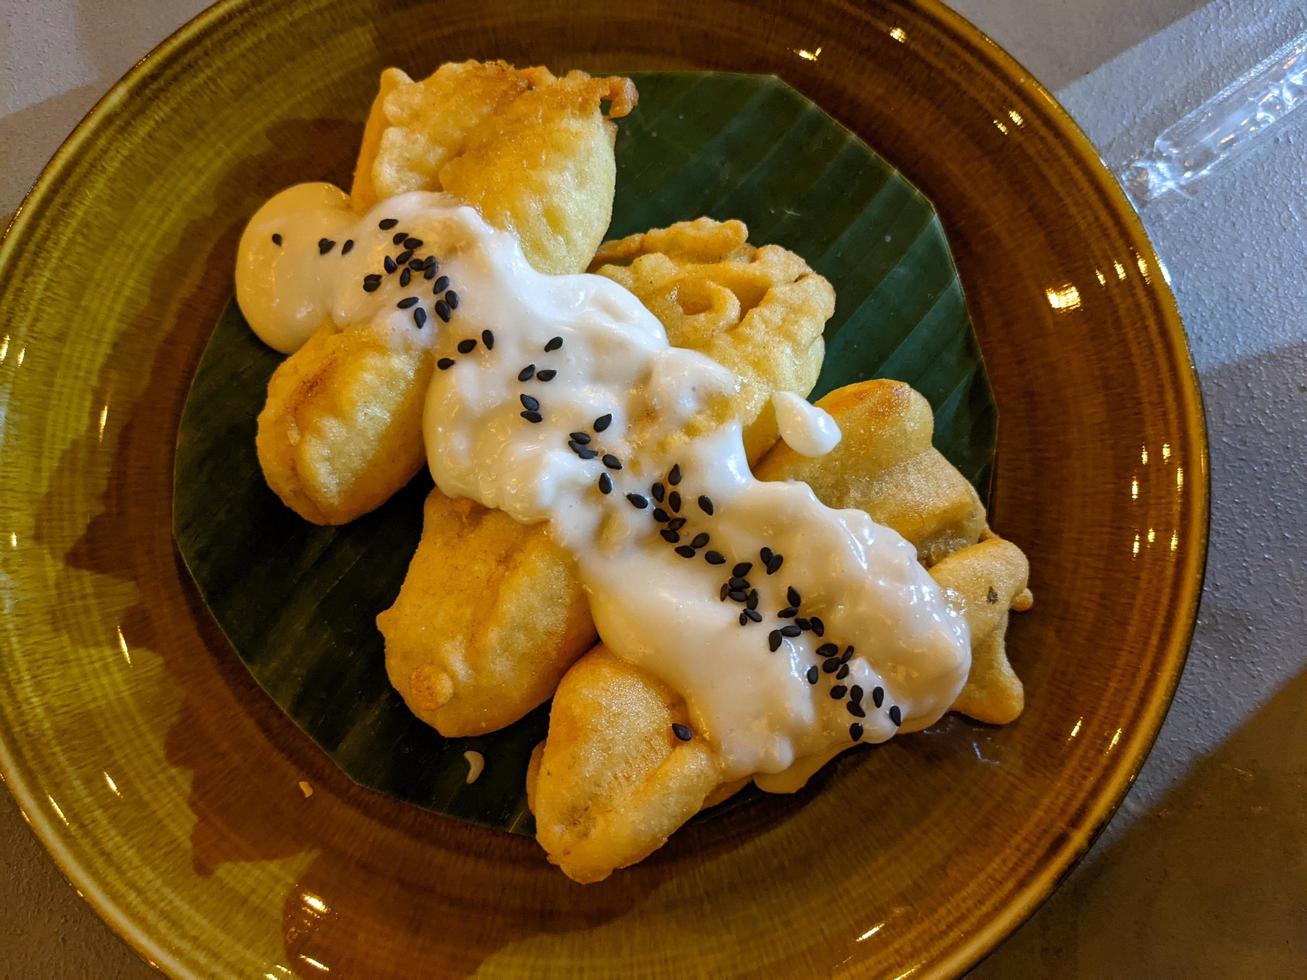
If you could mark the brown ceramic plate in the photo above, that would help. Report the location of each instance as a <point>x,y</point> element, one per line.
<point>172,792</point>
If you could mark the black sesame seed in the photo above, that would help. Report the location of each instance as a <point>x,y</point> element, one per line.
<point>276,239</point>
<point>827,650</point>
<point>765,554</point>
<point>700,539</point>
<point>753,599</point>
<point>406,277</point>
<point>788,612</point>
<point>548,374</point>
<point>528,402</point>
<point>525,375</point>
<point>451,298</point>
<point>895,715</point>
<point>399,236</point>
<point>671,537</point>
<point>325,245</point>
<point>676,523</point>
<point>371,283</point>
<point>790,631</point>
<point>753,615</point>
<point>658,491</point>
<point>605,483</point>
<point>417,265</point>
<point>441,284</point>
<point>420,317</point>
<point>554,344</point>
<point>830,666</point>
<point>403,257</point>
<point>742,569</point>
<point>407,302</point>
<point>685,551</point>
<point>389,264</point>
<point>611,461</point>
<point>792,594</point>
<point>855,693</point>
<point>412,243</point>
<point>812,674</point>
<point>441,310</point>
<point>488,338</point>
<point>738,595</point>
<point>445,363</point>
<point>582,451</point>
<point>705,505</point>
<point>844,657</point>
<point>855,709</point>
<point>774,640</point>
<point>842,673</point>
<point>855,732</point>
<point>431,263</point>
<point>744,619</point>
<point>637,501</point>
<point>582,437</point>
<point>803,624</point>
<point>603,421</point>
<point>877,696</point>
<point>774,565</point>
<point>674,475</point>
<point>467,346</point>
<point>347,247</point>
<point>722,594</point>
<point>429,273</point>
<point>818,626</point>
<point>661,515</point>
<point>532,416</point>
<point>738,582</point>
<point>674,501</point>
<point>385,224</point>
<point>714,557</point>
<point>681,732</point>
<point>838,691</point>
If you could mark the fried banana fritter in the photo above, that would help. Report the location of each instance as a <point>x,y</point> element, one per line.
<point>487,622</point>
<point>766,325</point>
<point>534,153</point>
<point>760,312</point>
<point>886,465</point>
<point>531,151</point>
<point>342,427</point>
<point>591,826</point>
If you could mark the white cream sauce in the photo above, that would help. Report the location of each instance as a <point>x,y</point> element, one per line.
<point>805,428</point>
<point>747,686</point>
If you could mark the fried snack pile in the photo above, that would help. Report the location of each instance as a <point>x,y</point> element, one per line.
<point>611,781</point>
<point>491,619</point>
<point>341,430</point>
<point>759,312</point>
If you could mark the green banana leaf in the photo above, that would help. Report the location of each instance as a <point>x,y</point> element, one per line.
<point>298,602</point>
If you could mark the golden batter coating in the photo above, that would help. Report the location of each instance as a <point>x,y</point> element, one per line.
<point>591,825</point>
<point>487,620</point>
<point>771,339</point>
<point>534,154</point>
<point>531,151</point>
<point>760,312</point>
<point>612,782</point>
<point>342,427</point>
<point>886,465</point>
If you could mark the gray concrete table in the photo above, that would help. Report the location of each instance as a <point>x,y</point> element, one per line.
<point>1203,872</point>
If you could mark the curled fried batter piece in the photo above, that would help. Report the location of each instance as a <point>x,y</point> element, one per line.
<point>760,312</point>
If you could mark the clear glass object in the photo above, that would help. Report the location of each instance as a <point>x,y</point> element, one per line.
<point>1220,130</point>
